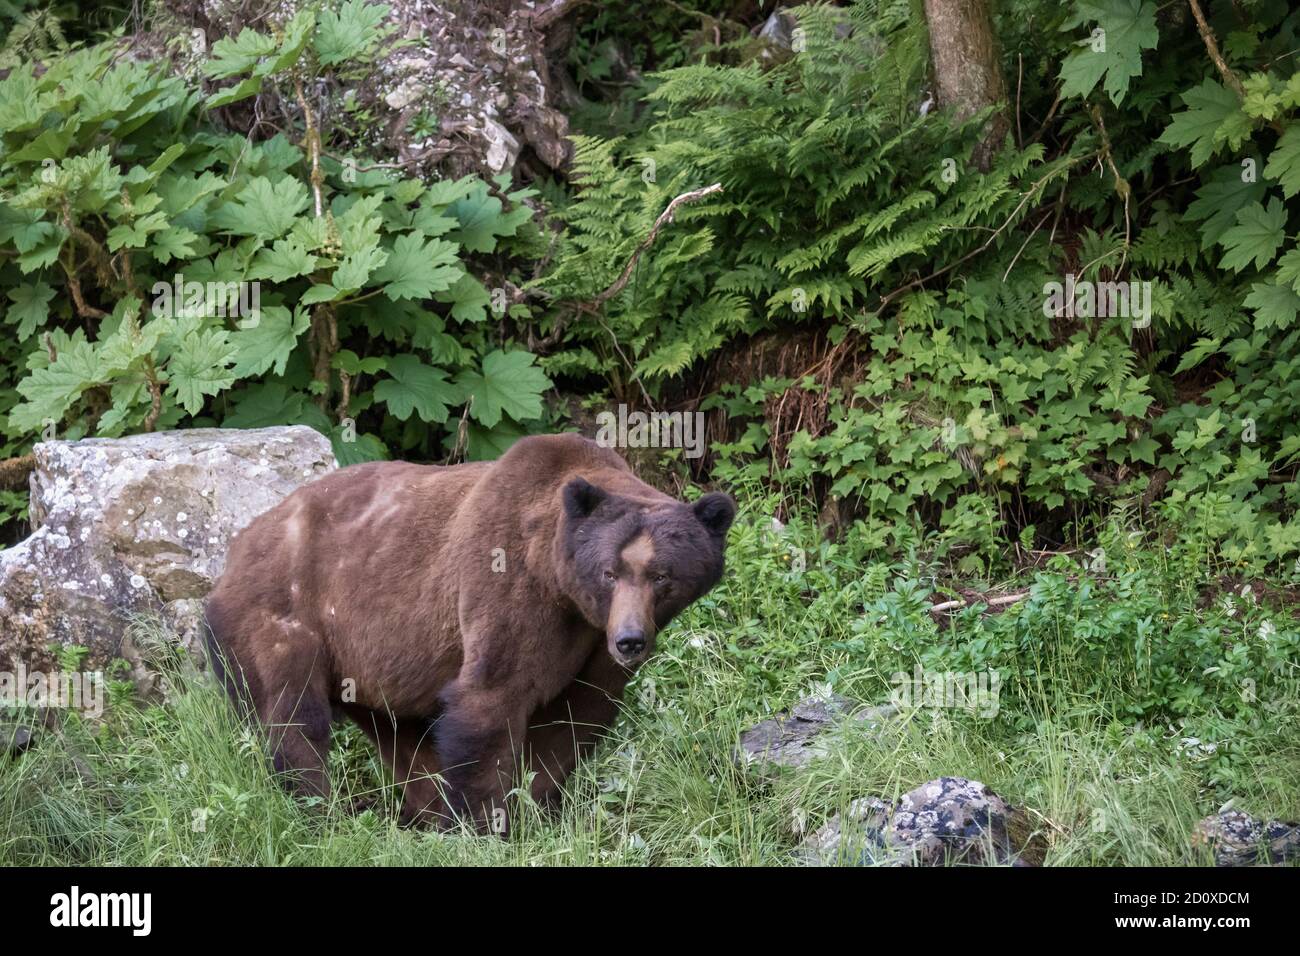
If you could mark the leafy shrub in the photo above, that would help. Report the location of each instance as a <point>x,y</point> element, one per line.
<point>948,369</point>
<point>160,272</point>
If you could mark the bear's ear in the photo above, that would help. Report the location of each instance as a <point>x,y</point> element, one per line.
<point>581,498</point>
<point>715,511</point>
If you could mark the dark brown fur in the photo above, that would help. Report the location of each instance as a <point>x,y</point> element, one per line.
<point>378,590</point>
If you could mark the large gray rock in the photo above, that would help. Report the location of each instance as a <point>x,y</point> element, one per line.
<point>138,525</point>
<point>1238,839</point>
<point>806,733</point>
<point>950,820</point>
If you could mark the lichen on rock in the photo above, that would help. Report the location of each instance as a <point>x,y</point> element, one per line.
<point>138,526</point>
<point>462,88</point>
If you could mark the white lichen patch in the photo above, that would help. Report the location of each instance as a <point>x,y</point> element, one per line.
<point>117,525</point>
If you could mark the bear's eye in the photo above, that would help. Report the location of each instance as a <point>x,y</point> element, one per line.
<point>610,577</point>
<point>660,578</point>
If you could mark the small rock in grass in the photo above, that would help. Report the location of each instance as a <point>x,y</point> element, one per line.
<point>794,739</point>
<point>14,739</point>
<point>951,820</point>
<point>1238,839</point>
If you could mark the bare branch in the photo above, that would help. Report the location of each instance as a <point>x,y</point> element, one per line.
<point>312,143</point>
<point>1212,46</point>
<point>665,217</point>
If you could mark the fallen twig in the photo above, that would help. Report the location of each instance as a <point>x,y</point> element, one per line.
<point>1001,600</point>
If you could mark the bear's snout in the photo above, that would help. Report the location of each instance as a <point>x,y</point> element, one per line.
<point>630,643</point>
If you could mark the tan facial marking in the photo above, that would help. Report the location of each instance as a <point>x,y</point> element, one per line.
<point>633,599</point>
<point>637,555</point>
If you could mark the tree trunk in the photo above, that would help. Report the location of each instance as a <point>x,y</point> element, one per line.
<point>965,56</point>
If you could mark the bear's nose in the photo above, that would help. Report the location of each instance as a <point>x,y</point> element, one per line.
<point>630,642</point>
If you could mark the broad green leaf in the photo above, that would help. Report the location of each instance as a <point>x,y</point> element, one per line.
<point>479,215</point>
<point>134,235</point>
<point>1129,27</point>
<point>22,107</point>
<point>1258,234</point>
<point>416,387</point>
<point>130,342</point>
<point>1275,305</point>
<point>346,360</point>
<point>358,450</point>
<point>1260,102</point>
<point>51,144</point>
<point>173,243</point>
<point>321,292</point>
<point>1144,449</point>
<point>349,31</point>
<point>49,392</point>
<point>130,400</point>
<point>91,180</point>
<point>276,155</point>
<point>239,54</point>
<point>296,36</point>
<point>431,222</point>
<point>1207,122</point>
<point>355,270</point>
<point>444,192</point>
<point>260,406</point>
<point>263,209</point>
<point>272,403</point>
<point>44,252</point>
<point>359,222</point>
<point>470,299</point>
<point>268,344</point>
<point>485,444</point>
<point>1218,200</point>
<point>24,227</point>
<point>242,90</point>
<point>183,192</point>
<point>160,165</point>
<point>1284,162</point>
<point>416,269</point>
<point>285,260</point>
<point>509,383</point>
<point>31,307</point>
<point>1288,269</point>
<point>201,366</point>
<point>406,191</point>
<point>1199,352</point>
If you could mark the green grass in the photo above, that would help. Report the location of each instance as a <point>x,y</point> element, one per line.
<point>1092,710</point>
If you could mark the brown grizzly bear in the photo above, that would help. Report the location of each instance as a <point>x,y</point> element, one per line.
<point>469,618</point>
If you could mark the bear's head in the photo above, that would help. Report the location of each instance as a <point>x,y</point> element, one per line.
<point>632,566</point>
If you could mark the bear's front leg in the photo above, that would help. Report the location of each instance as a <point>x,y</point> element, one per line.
<point>568,728</point>
<point>480,737</point>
